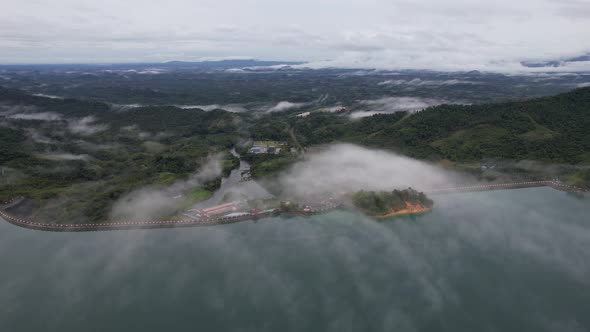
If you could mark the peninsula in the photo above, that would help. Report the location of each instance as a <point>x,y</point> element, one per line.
<point>385,204</point>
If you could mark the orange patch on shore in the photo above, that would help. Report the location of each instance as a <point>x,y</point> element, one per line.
<point>410,209</point>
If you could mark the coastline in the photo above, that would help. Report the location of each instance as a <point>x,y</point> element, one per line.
<point>411,210</point>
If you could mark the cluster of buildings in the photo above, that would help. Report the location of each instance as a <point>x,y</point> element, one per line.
<point>260,149</point>
<point>217,210</point>
<point>269,147</point>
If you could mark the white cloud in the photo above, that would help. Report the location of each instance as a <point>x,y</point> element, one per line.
<point>363,114</point>
<point>420,82</point>
<point>64,156</point>
<point>345,167</point>
<point>43,116</point>
<point>394,104</point>
<point>285,106</point>
<point>153,202</point>
<point>47,96</point>
<point>86,126</point>
<point>234,108</point>
<point>432,34</point>
<point>39,137</point>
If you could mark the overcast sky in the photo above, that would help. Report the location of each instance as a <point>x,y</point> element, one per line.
<point>427,34</point>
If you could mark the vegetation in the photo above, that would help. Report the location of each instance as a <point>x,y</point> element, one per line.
<point>76,157</point>
<point>75,174</point>
<point>384,202</point>
<point>194,85</point>
<point>581,178</point>
<point>552,129</point>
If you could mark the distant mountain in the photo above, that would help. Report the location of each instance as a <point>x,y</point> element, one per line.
<point>555,63</point>
<point>226,64</point>
<point>218,64</point>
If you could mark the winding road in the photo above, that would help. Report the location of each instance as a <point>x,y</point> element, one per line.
<point>151,224</point>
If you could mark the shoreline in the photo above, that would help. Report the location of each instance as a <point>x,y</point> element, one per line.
<point>399,214</point>
<point>410,209</point>
<point>173,222</point>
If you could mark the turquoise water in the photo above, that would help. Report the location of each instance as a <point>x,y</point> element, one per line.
<point>495,261</point>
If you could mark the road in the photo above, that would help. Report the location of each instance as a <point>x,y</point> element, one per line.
<point>149,224</point>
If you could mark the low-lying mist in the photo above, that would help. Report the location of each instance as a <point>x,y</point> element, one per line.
<point>86,126</point>
<point>285,106</point>
<point>389,105</point>
<point>345,167</point>
<point>160,201</point>
<point>332,170</point>
<point>477,253</point>
<point>232,108</point>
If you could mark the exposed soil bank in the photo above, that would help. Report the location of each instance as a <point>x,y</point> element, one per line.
<point>410,209</point>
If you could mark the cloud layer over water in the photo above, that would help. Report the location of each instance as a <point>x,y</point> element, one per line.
<point>344,167</point>
<point>478,253</point>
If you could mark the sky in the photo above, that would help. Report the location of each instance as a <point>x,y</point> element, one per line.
<point>389,34</point>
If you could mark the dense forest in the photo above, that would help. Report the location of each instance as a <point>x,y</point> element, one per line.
<point>553,129</point>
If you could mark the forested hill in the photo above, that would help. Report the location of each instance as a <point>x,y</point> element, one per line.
<point>555,129</point>
<point>151,118</point>
<point>73,159</point>
<point>76,158</point>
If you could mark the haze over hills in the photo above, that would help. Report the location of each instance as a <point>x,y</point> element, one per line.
<point>205,64</point>
<point>55,150</point>
<point>556,63</point>
<point>254,87</point>
<point>295,165</point>
<point>450,35</point>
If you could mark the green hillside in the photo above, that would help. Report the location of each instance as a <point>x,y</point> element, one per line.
<point>84,155</point>
<point>552,129</point>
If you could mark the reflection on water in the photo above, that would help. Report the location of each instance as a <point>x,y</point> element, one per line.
<point>498,261</point>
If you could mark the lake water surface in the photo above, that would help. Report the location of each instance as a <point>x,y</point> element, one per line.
<point>493,261</point>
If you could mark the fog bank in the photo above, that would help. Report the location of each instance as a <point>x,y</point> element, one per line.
<point>346,167</point>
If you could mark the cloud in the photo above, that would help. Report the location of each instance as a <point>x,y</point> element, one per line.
<point>574,9</point>
<point>152,71</point>
<point>393,104</point>
<point>86,126</point>
<point>65,156</point>
<point>144,204</point>
<point>153,147</point>
<point>89,146</point>
<point>406,273</point>
<point>124,107</point>
<point>285,106</point>
<point>157,202</point>
<point>420,82</point>
<point>344,168</point>
<point>444,35</point>
<point>47,96</point>
<point>43,116</point>
<point>234,108</point>
<point>332,109</point>
<point>135,131</point>
<point>363,114</point>
<point>39,137</point>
